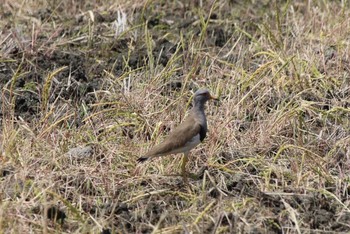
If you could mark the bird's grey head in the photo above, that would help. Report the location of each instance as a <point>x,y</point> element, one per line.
<point>202,96</point>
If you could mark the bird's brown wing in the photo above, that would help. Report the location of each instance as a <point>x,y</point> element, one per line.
<point>177,138</point>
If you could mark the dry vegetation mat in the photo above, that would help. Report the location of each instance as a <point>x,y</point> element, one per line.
<point>87,87</point>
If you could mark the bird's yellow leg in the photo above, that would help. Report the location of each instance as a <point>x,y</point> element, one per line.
<point>183,167</point>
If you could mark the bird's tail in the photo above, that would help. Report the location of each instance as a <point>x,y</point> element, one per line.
<point>142,159</point>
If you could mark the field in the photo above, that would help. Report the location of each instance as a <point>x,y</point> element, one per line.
<point>87,87</point>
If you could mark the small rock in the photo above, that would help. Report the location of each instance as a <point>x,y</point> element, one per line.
<point>81,152</point>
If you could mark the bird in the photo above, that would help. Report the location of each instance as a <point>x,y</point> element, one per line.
<point>187,135</point>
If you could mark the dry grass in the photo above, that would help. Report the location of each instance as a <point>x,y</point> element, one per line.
<point>276,159</point>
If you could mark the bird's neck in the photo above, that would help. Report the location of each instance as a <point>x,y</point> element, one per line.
<point>198,111</point>
<point>198,106</point>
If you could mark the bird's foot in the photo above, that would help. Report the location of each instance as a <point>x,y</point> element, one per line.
<point>194,176</point>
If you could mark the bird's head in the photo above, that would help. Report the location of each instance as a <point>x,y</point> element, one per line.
<point>202,96</point>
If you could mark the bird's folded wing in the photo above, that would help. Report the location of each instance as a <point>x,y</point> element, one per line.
<point>177,138</point>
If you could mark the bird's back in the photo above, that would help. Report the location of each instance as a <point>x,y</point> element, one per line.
<point>178,138</point>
